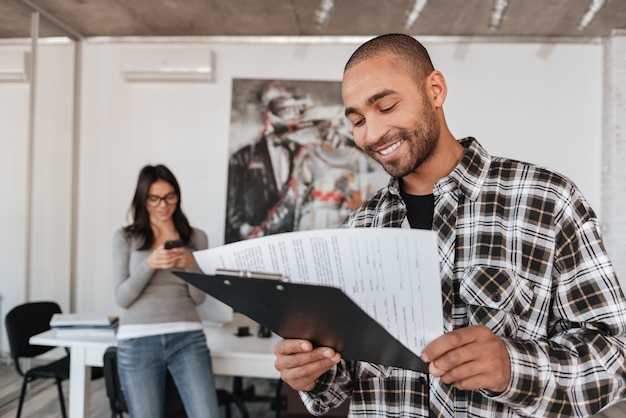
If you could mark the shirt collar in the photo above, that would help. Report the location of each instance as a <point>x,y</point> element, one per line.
<point>470,174</point>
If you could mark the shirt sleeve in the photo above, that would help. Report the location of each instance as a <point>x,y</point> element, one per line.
<point>200,241</point>
<point>128,284</point>
<point>331,389</point>
<point>581,366</point>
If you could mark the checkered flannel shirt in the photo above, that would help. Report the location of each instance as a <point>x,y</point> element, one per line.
<point>521,253</point>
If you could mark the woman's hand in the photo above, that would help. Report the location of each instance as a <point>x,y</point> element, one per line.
<point>184,258</point>
<point>161,258</point>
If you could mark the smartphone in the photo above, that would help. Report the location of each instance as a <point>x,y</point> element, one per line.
<point>173,244</point>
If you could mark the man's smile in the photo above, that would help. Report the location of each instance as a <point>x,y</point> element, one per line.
<point>391,148</point>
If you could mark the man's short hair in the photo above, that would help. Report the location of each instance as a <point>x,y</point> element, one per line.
<point>409,53</point>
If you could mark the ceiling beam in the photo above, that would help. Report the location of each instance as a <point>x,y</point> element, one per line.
<point>63,27</point>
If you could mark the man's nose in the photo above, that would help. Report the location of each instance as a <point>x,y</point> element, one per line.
<point>374,130</point>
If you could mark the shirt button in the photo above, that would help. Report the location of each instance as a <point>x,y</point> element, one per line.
<point>496,296</point>
<point>422,380</point>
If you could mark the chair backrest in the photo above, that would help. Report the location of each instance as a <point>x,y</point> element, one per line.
<point>26,320</point>
<point>173,403</point>
<point>112,382</point>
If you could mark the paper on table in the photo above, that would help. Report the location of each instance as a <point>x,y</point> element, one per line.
<point>82,320</point>
<point>84,332</point>
<point>391,273</point>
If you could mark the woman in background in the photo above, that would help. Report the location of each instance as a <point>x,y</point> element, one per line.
<point>160,327</point>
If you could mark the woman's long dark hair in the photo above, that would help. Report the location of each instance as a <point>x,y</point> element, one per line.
<point>141,230</point>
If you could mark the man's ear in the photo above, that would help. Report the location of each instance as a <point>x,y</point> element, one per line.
<point>437,88</point>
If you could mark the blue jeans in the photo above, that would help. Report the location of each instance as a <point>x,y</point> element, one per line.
<point>141,364</point>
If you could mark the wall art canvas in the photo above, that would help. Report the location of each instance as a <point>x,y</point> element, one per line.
<point>293,164</point>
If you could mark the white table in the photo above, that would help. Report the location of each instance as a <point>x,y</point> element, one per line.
<point>231,356</point>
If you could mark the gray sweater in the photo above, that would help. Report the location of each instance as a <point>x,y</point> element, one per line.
<point>153,295</point>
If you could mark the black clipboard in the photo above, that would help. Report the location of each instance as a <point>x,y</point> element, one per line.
<point>324,315</point>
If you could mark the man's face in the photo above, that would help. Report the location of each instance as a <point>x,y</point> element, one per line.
<point>393,120</point>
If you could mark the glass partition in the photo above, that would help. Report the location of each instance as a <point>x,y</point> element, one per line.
<point>38,113</point>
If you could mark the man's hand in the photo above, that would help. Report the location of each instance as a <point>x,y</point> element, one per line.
<point>471,358</point>
<point>300,364</point>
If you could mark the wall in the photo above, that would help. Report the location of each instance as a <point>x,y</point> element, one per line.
<point>541,103</point>
<point>614,150</point>
<point>35,214</point>
<point>529,101</point>
<point>13,170</point>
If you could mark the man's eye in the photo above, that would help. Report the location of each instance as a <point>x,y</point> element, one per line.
<point>358,122</point>
<point>387,109</point>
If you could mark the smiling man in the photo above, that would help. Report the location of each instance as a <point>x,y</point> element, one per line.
<point>534,317</point>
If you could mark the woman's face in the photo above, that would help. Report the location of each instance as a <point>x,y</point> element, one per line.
<point>161,201</point>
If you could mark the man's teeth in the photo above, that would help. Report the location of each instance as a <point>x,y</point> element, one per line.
<point>390,149</point>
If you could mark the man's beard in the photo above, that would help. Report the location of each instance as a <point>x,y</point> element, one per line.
<point>421,142</point>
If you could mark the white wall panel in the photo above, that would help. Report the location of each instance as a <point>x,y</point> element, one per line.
<point>36,267</point>
<point>614,152</point>
<point>13,190</point>
<point>50,258</point>
<point>533,102</point>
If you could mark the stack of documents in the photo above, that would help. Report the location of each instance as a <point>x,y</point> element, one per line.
<point>83,324</point>
<point>372,293</point>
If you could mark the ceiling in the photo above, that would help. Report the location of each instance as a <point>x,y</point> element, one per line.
<point>521,18</point>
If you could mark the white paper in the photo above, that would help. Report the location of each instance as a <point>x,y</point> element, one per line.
<point>83,319</point>
<point>391,273</point>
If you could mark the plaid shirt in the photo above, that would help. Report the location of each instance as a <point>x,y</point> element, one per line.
<point>521,253</point>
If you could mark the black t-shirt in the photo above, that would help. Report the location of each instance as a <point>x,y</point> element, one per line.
<point>420,210</point>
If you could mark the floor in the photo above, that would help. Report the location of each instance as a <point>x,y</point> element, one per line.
<point>42,401</point>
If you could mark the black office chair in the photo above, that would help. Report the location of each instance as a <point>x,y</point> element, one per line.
<point>24,321</point>
<point>112,384</point>
<point>174,407</point>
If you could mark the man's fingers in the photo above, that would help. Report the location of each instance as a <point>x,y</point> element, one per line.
<point>286,347</point>
<point>311,359</point>
<point>452,359</point>
<point>471,358</point>
<point>451,340</point>
<point>307,369</point>
<point>300,364</point>
<point>458,373</point>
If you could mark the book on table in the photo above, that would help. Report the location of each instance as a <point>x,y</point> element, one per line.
<point>71,324</point>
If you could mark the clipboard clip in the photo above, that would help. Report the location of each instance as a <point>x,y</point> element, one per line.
<point>251,274</point>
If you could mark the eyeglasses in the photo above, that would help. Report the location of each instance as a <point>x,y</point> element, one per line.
<point>154,200</point>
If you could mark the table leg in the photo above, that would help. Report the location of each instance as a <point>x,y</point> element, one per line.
<point>80,379</point>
